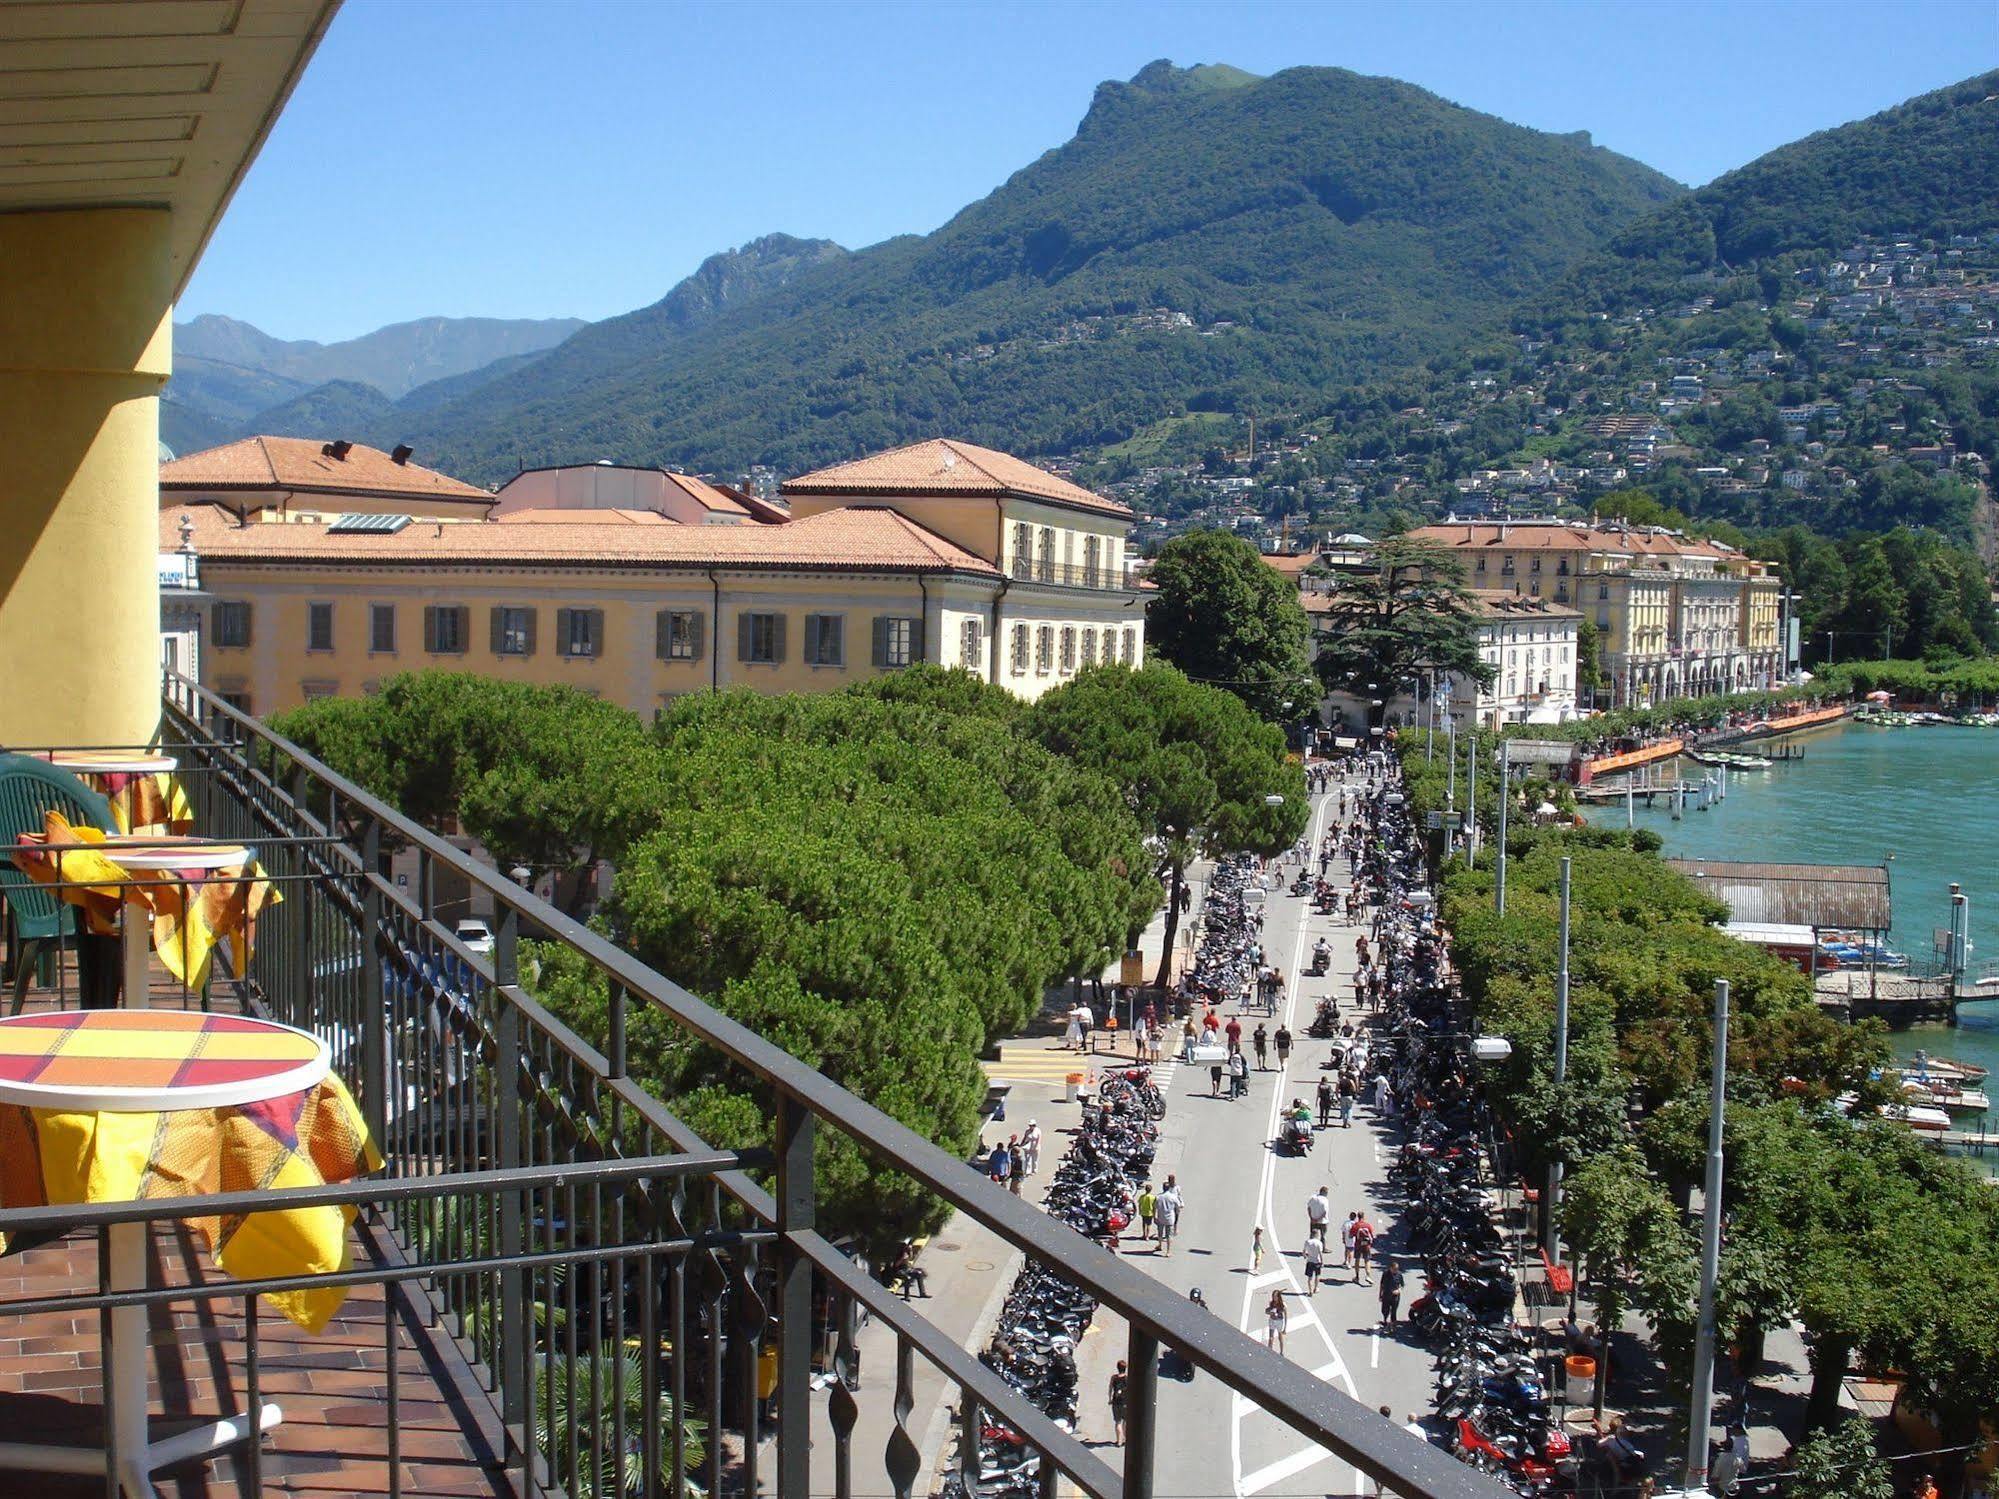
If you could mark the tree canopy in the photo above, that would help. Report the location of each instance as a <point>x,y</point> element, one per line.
<point>1225,617</point>
<point>1409,612</point>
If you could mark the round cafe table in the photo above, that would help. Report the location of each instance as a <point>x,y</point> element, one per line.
<point>123,777</point>
<point>165,856</point>
<point>146,1062</point>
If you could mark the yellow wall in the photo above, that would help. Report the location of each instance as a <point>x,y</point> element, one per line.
<point>85,339</point>
<point>971,522</point>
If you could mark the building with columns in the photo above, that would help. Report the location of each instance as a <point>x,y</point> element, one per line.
<point>1675,616</point>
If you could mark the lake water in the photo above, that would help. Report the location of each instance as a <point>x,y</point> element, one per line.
<point>1926,799</point>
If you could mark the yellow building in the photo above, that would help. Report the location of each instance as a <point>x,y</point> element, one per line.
<point>906,557</point>
<point>1675,616</point>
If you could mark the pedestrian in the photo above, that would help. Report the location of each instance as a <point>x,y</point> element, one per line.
<point>1414,1427</point>
<point>1120,1383</point>
<point>1346,1241</point>
<point>1030,1146</point>
<point>1086,1020</point>
<point>1187,1040</point>
<point>1211,1026</point>
<point>1017,1172</point>
<point>1347,1091</point>
<point>1318,1207</point>
<point>999,1165</point>
<point>1261,1041</point>
<point>1256,1249</point>
<point>1391,1291</point>
<point>1275,1321</point>
<point>1315,1264</point>
<point>1325,1101</point>
<point>1148,1204</point>
<point>1238,1075</point>
<point>1215,1078</point>
<point>1233,1030</point>
<point>1072,1035</point>
<point>1167,1215</point>
<point>1283,1039</point>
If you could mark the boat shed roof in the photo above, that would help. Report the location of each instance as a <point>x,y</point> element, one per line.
<point>1815,895</point>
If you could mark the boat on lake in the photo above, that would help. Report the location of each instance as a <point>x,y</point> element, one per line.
<point>1927,1064</point>
<point>1952,1099</point>
<point>1923,1118</point>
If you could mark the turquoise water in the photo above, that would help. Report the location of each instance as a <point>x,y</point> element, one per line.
<point>1926,799</point>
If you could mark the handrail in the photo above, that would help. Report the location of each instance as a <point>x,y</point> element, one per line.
<point>1293,1395</point>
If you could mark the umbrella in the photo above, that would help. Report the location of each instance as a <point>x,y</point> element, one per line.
<point>1880,697</point>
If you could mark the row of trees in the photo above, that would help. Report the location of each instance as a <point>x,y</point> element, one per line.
<point>1870,596</point>
<point>882,880</point>
<point>1878,1245</point>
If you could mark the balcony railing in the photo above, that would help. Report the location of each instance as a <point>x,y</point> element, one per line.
<point>1070,575</point>
<point>566,1236</point>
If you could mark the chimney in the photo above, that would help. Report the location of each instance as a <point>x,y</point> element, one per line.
<point>338,449</point>
<point>402,453</point>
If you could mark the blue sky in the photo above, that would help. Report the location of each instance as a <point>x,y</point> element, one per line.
<point>576,158</point>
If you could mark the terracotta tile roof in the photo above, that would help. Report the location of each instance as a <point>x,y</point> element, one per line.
<point>1498,603</point>
<point>706,495</point>
<point>581,517</point>
<point>1292,565</point>
<point>303,463</point>
<point>1535,536</point>
<point>943,465</point>
<point>856,538</point>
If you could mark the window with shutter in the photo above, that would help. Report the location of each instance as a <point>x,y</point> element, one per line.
<point>444,629</point>
<point>1089,646</point>
<point>1130,645</point>
<point>760,638</point>
<point>1045,571</point>
<point>1068,648</point>
<point>1044,649</point>
<point>232,624</point>
<point>319,627</point>
<point>970,654</point>
<point>513,632</point>
<point>679,635</point>
<point>382,629</point>
<point>1019,649</point>
<point>1023,550</point>
<point>581,631</point>
<point>825,644</point>
<point>897,639</point>
<point>1092,559</point>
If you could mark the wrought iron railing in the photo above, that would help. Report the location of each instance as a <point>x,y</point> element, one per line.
<point>1070,574</point>
<point>510,1139</point>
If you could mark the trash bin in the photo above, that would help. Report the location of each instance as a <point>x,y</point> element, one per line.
<point>1581,1369</point>
<point>1071,1085</point>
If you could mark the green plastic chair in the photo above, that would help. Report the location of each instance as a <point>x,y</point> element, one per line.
<point>29,789</point>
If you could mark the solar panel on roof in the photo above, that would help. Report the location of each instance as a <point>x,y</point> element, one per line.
<point>355,524</point>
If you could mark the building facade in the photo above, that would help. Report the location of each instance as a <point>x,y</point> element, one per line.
<point>638,607</point>
<point>1675,616</point>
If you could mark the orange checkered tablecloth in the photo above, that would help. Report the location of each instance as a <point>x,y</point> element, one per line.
<point>143,795</point>
<point>125,1105</point>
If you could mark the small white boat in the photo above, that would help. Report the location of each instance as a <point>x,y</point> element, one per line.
<point>1919,1117</point>
<point>1935,1093</point>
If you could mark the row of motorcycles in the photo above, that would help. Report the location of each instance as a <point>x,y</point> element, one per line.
<point>1094,1191</point>
<point>1491,1395</point>
<point>1229,961</point>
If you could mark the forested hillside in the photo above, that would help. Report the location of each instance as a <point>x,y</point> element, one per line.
<point>1206,241</point>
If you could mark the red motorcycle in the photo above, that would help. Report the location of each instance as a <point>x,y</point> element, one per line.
<point>1547,1471</point>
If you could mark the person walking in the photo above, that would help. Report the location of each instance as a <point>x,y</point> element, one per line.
<point>1256,1249</point>
<point>1119,1387</point>
<point>1030,1146</point>
<point>1072,1034</point>
<point>1017,1170</point>
<point>1325,1101</point>
<point>1363,1250</point>
<point>1391,1291</point>
<point>1187,1040</point>
<point>1346,1241</point>
<point>1233,1030</point>
<point>1261,1041</point>
<point>1167,1215</point>
<point>1238,1075</point>
<point>1348,1089</point>
<point>1283,1039</point>
<point>1318,1208</point>
<point>1215,1078</point>
<point>1275,1319</point>
<point>999,1165</point>
<point>1315,1263</point>
<point>1148,1204</point>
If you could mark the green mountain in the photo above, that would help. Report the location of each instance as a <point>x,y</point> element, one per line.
<point>1208,240</point>
<point>339,408</point>
<point>1926,169</point>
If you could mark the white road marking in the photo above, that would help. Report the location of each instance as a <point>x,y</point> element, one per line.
<point>1374,1352</point>
<point>1277,1472</point>
<point>1268,1278</point>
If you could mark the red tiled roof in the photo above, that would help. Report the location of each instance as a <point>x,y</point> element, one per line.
<point>854,538</point>
<point>943,465</point>
<point>303,463</point>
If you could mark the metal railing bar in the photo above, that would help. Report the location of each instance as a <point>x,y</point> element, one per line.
<point>369,1191</point>
<point>963,1369</point>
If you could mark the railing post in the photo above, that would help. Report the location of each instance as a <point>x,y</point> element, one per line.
<point>516,1371</point>
<point>1141,1410</point>
<point>795,1212</point>
<point>374,1017</point>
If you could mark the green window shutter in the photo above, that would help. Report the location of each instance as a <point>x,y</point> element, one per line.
<point>463,637</point>
<point>532,616</point>
<point>813,642</point>
<point>916,640</point>
<point>562,631</point>
<point>694,631</point>
<point>249,616</point>
<point>662,633</point>
<point>777,625</point>
<point>881,641</point>
<point>496,634</point>
<point>430,628</point>
<point>596,632</point>
<point>742,637</point>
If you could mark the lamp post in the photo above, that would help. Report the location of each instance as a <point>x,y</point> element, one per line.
<point>1561,1049</point>
<point>1701,1414</point>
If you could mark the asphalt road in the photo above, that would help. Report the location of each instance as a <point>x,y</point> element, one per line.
<point>1213,1442</point>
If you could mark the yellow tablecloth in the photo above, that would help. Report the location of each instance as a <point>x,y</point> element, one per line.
<point>191,911</point>
<point>304,1139</point>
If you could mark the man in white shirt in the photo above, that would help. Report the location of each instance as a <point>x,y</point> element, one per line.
<point>1318,1208</point>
